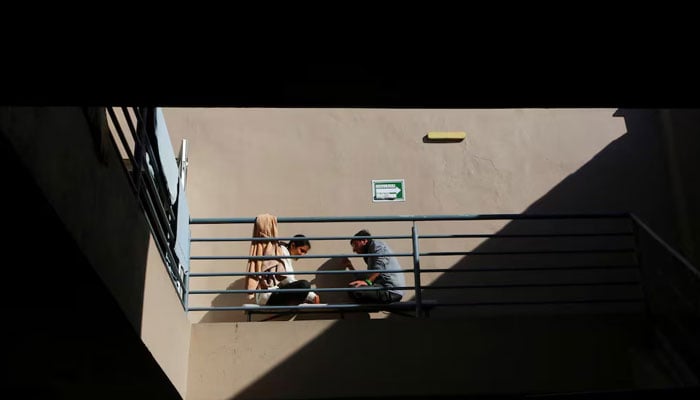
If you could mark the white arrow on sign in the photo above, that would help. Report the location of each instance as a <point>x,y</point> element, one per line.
<point>387,193</point>
<point>393,190</point>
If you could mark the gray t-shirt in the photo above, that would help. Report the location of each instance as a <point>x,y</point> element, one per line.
<point>385,263</point>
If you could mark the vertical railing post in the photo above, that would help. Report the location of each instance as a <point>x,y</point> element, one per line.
<point>416,272</point>
<point>641,270</point>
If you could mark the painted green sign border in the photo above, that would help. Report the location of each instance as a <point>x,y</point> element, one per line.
<point>383,189</point>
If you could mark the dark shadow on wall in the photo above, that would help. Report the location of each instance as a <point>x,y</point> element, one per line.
<point>89,192</point>
<point>66,337</point>
<point>629,174</point>
<point>327,281</point>
<point>682,134</point>
<point>228,300</point>
<point>333,281</point>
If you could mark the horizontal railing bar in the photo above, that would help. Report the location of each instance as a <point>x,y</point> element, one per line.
<point>523,235</point>
<point>446,236</point>
<point>515,269</point>
<point>281,238</point>
<point>331,307</point>
<point>282,290</point>
<point>526,303</point>
<point>511,285</point>
<point>151,191</point>
<point>492,253</point>
<point>382,218</point>
<point>424,271</point>
<point>370,288</point>
<point>690,267</point>
<point>305,307</point>
<point>122,137</point>
<point>437,253</point>
<point>336,272</point>
<point>300,257</point>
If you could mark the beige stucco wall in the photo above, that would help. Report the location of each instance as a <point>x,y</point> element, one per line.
<point>165,328</point>
<point>298,162</point>
<point>352,359</point>
<point>320,162</point>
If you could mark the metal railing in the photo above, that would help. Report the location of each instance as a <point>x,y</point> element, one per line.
<point>134,137</point>
<point>672,290</point>
<point>599,249</point>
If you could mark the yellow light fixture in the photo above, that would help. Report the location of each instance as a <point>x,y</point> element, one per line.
<point>446,136</point>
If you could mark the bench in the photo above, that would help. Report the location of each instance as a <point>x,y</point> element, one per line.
<point>405,308</point>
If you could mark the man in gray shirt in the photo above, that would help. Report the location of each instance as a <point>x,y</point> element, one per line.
<point>363,244</point>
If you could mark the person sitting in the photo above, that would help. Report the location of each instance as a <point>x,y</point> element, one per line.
<point>389,282</point>
<point>296,247</point>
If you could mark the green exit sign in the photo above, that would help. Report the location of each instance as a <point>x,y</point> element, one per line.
<point>388,190</point>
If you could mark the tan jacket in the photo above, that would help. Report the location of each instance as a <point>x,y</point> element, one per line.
<point>265,227</point>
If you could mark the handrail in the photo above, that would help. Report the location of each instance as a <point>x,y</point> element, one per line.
<point>411,218</point>
<point>149,186</point>
<point>463,236</point>
<point>417,254</point>
<point>666,246</point>
<point>436,253</point>
<point>432,270</point>
<point>672,290</point>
